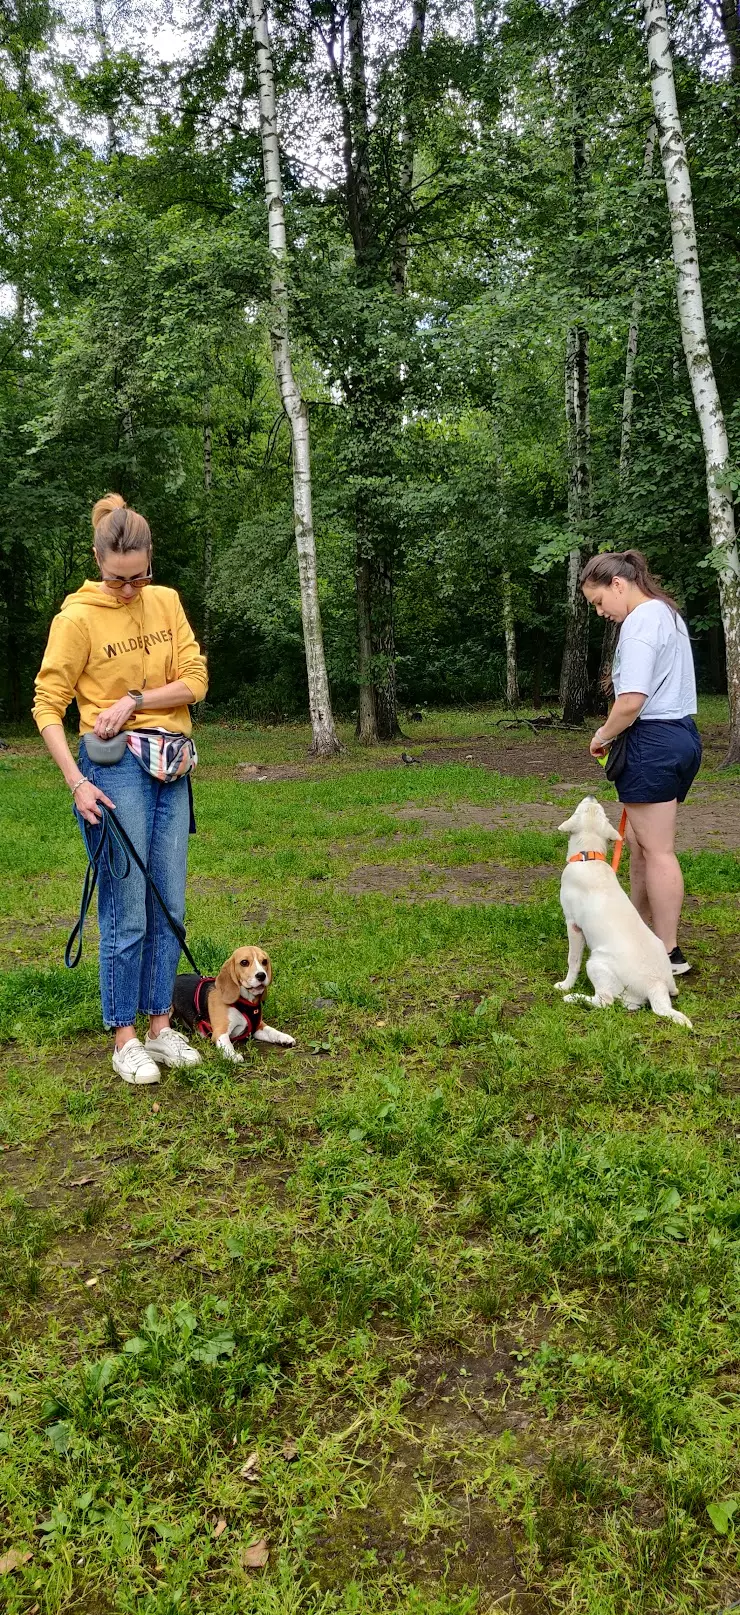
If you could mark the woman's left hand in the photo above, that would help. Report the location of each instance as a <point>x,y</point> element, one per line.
<point>597,747</point>
<point>114,718</point>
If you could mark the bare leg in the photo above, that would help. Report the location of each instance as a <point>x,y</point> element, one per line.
<point>653,825</point>
<point>638,882</point>
<point>157,1024</point>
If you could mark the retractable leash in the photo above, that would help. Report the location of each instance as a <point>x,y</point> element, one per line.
<point>113,834</point>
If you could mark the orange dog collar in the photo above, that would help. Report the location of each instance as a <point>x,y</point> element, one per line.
<point>588,858</point>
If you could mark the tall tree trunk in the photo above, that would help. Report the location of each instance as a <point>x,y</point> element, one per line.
<point>102,38</point>
<point>374,580</point>
<point>696,348</point>
<point>716,662</point>
<point>729,12</point>
<point>325,743</point>
<point>367,719</point>
<point>628,397</point>
<point>611,629</point>
<point>408,146</point>
<point>384,651</point>
<point>382,582</point>
<point>574,693</point>
<point>512,680</point>
<point>207,528</point>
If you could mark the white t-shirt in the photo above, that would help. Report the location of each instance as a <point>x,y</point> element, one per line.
<point>653,658</point>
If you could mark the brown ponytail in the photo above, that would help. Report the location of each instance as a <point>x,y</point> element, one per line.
<point>118,530</point>
<point>628,564</point>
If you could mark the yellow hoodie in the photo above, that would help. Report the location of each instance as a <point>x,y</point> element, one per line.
<point>99,647</point>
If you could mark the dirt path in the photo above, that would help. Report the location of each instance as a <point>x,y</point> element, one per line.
<point>710,819</point>
<point>706,821</point>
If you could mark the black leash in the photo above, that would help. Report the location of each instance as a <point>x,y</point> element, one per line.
<point>113,834</point>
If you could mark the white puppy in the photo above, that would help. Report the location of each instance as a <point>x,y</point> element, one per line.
<point>627,961</point>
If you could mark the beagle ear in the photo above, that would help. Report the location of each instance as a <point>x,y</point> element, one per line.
<point>569,825</point>
<point>227,981</point>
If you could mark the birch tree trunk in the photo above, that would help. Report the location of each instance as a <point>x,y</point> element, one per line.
<point>512,680</point>
<point>325,743</point>
<point>696,348</point>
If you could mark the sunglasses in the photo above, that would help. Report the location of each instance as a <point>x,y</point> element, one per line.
<point>123,583</point>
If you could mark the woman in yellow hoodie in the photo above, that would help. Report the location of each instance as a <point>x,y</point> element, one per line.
<point>124,649</point>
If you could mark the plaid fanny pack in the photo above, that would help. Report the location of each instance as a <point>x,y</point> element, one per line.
<point>166,757</point>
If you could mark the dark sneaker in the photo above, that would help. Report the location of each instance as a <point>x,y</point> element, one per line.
<point>679,965</point>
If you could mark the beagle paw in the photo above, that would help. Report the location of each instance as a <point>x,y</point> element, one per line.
<point>270,1034</point>
<point>226,1048</point>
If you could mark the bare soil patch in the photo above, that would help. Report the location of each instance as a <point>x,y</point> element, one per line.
<point>709,820</point>
<point>429,883</point>
<point>457,1397</point>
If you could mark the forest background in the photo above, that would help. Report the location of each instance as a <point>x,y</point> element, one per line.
<point>473,208</point>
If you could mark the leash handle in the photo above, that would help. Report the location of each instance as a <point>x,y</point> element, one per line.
<point>113,833</point>
<point>618,845</point>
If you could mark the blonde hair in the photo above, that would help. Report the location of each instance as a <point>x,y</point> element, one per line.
<point>118,530</point>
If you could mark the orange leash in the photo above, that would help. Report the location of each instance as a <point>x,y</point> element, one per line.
<point>618,845</point>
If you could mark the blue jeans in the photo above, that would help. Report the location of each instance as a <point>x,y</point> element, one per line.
<point>138,952</point>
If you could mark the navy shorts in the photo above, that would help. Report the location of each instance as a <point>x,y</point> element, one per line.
<point>663,758</point>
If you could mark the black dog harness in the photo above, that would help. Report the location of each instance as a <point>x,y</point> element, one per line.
<point>190,1003</point>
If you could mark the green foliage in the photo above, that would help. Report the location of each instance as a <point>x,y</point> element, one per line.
<point>437,420</point>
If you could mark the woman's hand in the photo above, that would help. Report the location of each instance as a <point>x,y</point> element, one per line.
<point>113,719</point>
<point>597,747</point>
<point>86,799</point>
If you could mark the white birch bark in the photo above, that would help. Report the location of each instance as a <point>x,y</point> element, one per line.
<point>512,681</point>
<point>628,396</point>
<point>696,347</point>
<point>325,743</point>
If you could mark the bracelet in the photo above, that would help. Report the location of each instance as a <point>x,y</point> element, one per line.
<point>76,787</point>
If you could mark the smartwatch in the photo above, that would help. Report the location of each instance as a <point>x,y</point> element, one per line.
<point>137,698</point>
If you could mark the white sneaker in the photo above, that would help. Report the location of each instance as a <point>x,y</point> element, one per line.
<point>171,1048</point>
<point>133,1063</point>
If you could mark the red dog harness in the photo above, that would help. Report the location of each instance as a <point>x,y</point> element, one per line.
<point>252,1012</point>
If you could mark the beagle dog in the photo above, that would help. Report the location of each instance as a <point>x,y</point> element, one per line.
<point>228,1007</point>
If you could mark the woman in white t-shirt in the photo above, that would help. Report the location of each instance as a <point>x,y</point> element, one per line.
<point>655,702</point>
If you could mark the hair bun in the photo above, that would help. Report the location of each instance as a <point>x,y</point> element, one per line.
<point>104,507</point>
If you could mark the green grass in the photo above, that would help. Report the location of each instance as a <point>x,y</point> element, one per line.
<point>443,1304</point>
